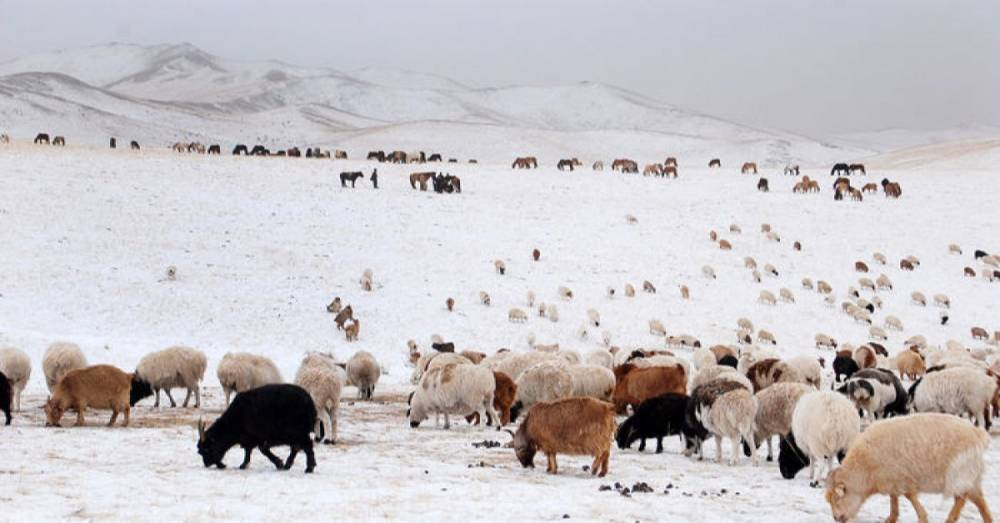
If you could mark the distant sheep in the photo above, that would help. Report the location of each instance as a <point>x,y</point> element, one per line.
<point>685,292</point>
<point>656,328</point>
<point>883,282</point>
<point>629,290</point>
<point>770,270</point>
<point>866,284</point>
<point>824,425</point>
<point>807,283</point>
<point>363,371</point>
<point>516,315</point>
<point>60,358</point>
<point>553,313</point>
<point>708,272</point>
<point>242,371</point>
<point>16,366</point>
<point>942,300</point>
<point>484,298</point>
<point>648,287</point>
<point>882,462</point>
<point>749,262</point>
<point>880,258</point>
<point>454,389</point>
<point>594,317</point>
<point>954,249</point>
<point>500,267</point>
<point>173,367</point>
<point>571,426</point>
<point>725,245</point>
<point>823,287</point>
<point>764,336</point>
<point>918,298</point>
<point>892,322</point>
<point>877,333</point>
<point>366,280</point>
<point>99,386</point>
<point>767,298</point>
<point>531,299</point>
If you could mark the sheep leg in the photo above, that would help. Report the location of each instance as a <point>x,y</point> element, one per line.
<point>984,511</point>
<point>917,507</point>
<point>642,445</point>
<point>736,452</point>
<point>169,397</point>
<point>157,403</point>
<point>197,397</point>
<point>266,451</point>
<point>753,448</point>
<point>332,436</point>
<point>956,509</point>
<point>893,509</point>
<point>227,396</point>
<point>718,449</point>
<point>447,423</point>
<point>318,429</point>
<point>247,451</point>
<point>18,399</point>
<point>812,472</point>
<point>187,397</point>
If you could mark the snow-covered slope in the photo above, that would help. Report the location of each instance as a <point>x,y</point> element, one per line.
<point>168,92</point>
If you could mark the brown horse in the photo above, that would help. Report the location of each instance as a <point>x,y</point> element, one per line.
<point>891,189</point>
<point>870,187</point>
<point>654,169</point>
<point>715,162</point>
<point>670,161</point>
<point>670,170</point>
<point>420,178</point>
<point>374,155</point>
<point>749,166</point>
<point>564,163</point>
<point>396,157</point>
<point>525,162</point>
<point>856,167</point>
<point>625,165</point>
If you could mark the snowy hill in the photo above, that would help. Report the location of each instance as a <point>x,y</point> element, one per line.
<point>163,93</point>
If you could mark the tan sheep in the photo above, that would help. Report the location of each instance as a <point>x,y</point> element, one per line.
<point>16,366</point>
<point>954,249</point>
<point>629,290</point>
<point>807,284</point>
<point>773,236</point>
<point>708,272</point>
<point>880,258</point>
<point>656,328</point>
<point>786,295</point>
<point>366,280</point>
<point>755,275</point>
<point>823,287</point>
<point>565,293</point>
<point>876,333</point>
<point>712,235</point>
<point>516,315</point>
<point>60,358</point>
<point>942,300</point>
<point>892,322</point>
<point>242,371</point>
<point>553,313</point>
<point>631,220</point>
<point>765,228</point>
<point>910,365</point>
<point>918,298</point>
<point>866,284</point>
<point>767,298</point>
<point>883,282</point>
<point>364,372</point>
<point>500,267</point>
<point>764,336</point>
<point>749,262</point>
<point>647,286</point>
<point>685,292</point>
<point>733,228</point>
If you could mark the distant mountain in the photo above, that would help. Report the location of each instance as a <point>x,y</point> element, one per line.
<point>164,93</point>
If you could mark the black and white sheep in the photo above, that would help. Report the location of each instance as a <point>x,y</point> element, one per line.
<point>878,392</point>
<point>824,425</point>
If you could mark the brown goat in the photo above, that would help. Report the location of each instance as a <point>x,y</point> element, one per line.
<point>536,254</point>
<point>637,384</point>
<point>970,272</point>
<point>860,266</point>
<point>906,265</point>
<point>98,386</point>
<point>347,313</point>
<point>351,331</point>
<point>503,397</point>
<point>450,303</point>
<point>979,333</point>
<point>578,426</point>
<point>910,364</point>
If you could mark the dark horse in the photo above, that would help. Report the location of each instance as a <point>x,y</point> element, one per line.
<point>436,157</point>
<point>134,145</point>
<point>259,150</point>
<point>350,176</point>
<point>840,169</point>
<point>240,149</point>
<point>215,149</point>
<point>377,155</point>
<point>114,142</point>
<point>564,163</point>
<point>42,138</point>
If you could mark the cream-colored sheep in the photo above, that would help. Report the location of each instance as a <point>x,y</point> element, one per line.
<point>954,249</point>
<point>544,381</point>
<point>823,287</point>
<point>629,290</point>
<point>786,295</point>
<point>892,322</point>
<point>60,358</point>
<point>500,267</point>
<point>324,386</point>
<point>708,272</point>
<point>16,366</point>
<point>565,293</point>
<point>174,367</point>
<point>775,406</point>
<point>484,298</point>
<point>749,262</point>
<point>824,423</point>
<point>807,283</point>
<point>594,317</point>
<point>764,336</point>
<point>242,371</point>
<point>364,372</point>
<point>516,315</point>
<point>942,300</point>
<point>918,298</point>
<point>594,381</point>
<point>656,328</point>
<point>883,282</point>
<point>553,313</point>
<point>767,298</point>
<point>876,333</point>
<point>880,258</point>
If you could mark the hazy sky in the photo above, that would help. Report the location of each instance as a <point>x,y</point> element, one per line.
<point>818,67</point>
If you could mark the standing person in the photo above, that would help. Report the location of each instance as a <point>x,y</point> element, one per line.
<point>375,178</point>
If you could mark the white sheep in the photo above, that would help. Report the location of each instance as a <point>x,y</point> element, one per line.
<point>565,293</point>
<point>594,317</point>
<point>60,358</point>
<point>717,372</point>
<point>770,270</point>
<point>892,322</point>
<point>961,391</point>
<point>454,389</point>
<point>242,371</point>
<point>918,298</point>
<point>824,424</point>
<point>16,366</point>
<point>515,315</point>
<point>437,359</point>
<point>755,275</point>
<point>807,283</point>
<point>553,313</point>
<point>544,381</point>
<point>775,406</point>
<point>703,358</point>
<point>731,416</point>
<point>749,262</point>
<point>708,272</point>
<point>656,328</point>
<point>500,267</point>
<point>599,357</point>
<point>764,336</point>
<point>324,385</point>
<point>364,372</point>
<point>767,298</point>
<point>942,300</point>
<point>174,367</point>
<point>825,342</point>
<point>484,298</point>
<point>809,368</point>
<point>930,453</point>
<point>366,280</point>
<point>880,258</point>
<point>773,236</point>
<point>823,287</point>
<point>514,364</point>
<point>877,333</point>
<point>594,381</point>
<point>954,249</point>
<point>745,325</point>
<point>786,295</point>
<point>629,291</point>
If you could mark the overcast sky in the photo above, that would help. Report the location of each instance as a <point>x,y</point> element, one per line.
<point>818,67</point>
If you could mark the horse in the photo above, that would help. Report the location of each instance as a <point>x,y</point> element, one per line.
<point>396,157</point>
<point>294,152</point>
<point>373,155</point>
<point>420,178</point>
<point>350,176</point>
<point>841,182</point>
<point>670,161</point>
<point>762,185</point>
<point>196,147</point>
<point>625,165</point>
<point>792,170</point>
<point>598,165</point>
<point>340,155</point>
<point>215,149</point>
<point>59,140</point>
<point>114,142</point>
<point>259,150</point>
<point>654,169</point>
<point>436,157</point>
<point>714,162</point>
<point>870,187</point>
<point>42,138</point>
<point>670,170</point>
<point>240,149</point>
<point>563,164</point>
<point>857,167</point>
<point>134,145</point>
<point>523,162</point>
<point>891,189</point>
<point>840,169</point>
<point>748,166</point>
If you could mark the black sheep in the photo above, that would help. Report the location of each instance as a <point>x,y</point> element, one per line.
<point>791,459</point>
<point>443,347</point>
<point>277,414</point>
<point>844,366</point>
<point>655,418</point>
<point>5,396</point>
<point>729,360</point>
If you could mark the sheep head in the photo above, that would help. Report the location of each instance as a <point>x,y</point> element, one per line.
<point>844,495</point>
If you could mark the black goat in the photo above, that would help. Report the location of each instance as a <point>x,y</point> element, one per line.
<point>5,396</point>
<point>655,418</point>
<point>139,391</point>
<point>278,414</point>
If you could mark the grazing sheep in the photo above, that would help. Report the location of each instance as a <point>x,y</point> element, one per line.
<point>770,270</point>
<point>755,274</point>
<point>918,298</point>
<point>433,361</point>
<point>880,258</point>
<point>979,333</point>
<point>60,358</point>
<point>745,325</point>
<point>99,386</point>
<point>860,266</point>
<point>970,272</point>
<point>892,322</point>
<point>712,235</point>
<point>700,407</point>
<point>636,384</point>
<point>647,286</point>
<point>366,280</point>
<point>565,293</point>
<point>772,236</point>
<point>775,406</point>
<point>961,391</point>
<point>954,249</point>
<point>883,282</point>
<point>733,228</point>
<point>453,389</point>
<point>767,298</point>
<point>708,272</point>
<point>685,292</point>
<point>324,386</point>
<point>824,425</point>
<point>866,284</point>
<point>631,220</point>
<point>484,298</point>
<point>500,267</point>
<point>878,392</point>
<point>797,246</point>
<point>241,371</point>
<point>823,287</point>
<point>629,290</point>
<point>450,304</point>
<point>516,315</point>
<point>572,426</point>
<point>543,381</point>
<point>173,367</point>
<point>769,371</point>
<point>16,366</point>
<point>786,295</point>
<point>656,328</point>
<point>731,416</point>
<point>363,371</point>
<point>657,417</point>
<point>594,381</point>
<point>749,262</point>
<point>764,336</point>
<point>536,254</point>
<point>942,300</point>
<point>594,317</point>
<point>910,365</point>
<point>334,306</point>
<point>809,368</point>
<point>876,333</point>
<point>906,265</point>
<point>725,245</point>
<point>929,453</point>
<point>824,341</point>
<point>807,283</point>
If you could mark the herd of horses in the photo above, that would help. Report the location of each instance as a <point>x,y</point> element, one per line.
<point>440,183</point>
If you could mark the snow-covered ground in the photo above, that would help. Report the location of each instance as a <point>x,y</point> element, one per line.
<point>262,245</point>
